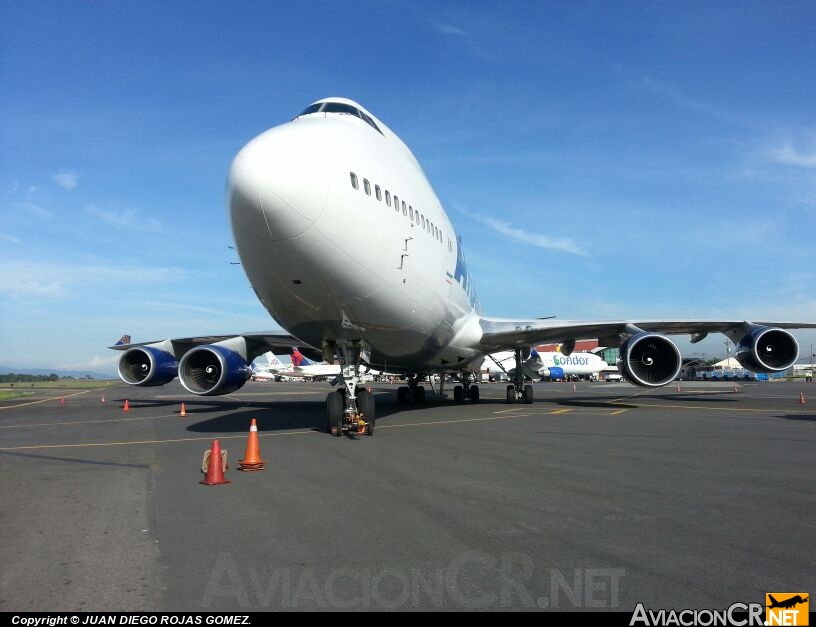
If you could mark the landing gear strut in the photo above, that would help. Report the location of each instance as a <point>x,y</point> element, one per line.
<point>519,392</point>
<point>349,410</point>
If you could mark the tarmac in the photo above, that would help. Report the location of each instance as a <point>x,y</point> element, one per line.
<point>595,497</point>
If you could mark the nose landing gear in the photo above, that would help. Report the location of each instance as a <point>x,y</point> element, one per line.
<point>348,410</point>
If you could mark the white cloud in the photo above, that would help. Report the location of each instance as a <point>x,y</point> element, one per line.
<point>19,286</point>
<point>35,210</point>
<point>446,28</point>
<point>122,218</point>
<point>94,363</point>
<point>53,281</point>
<point>66,179</point>
<point>787,154</point>
<point>449,29</point>
<point>538,240</point>
<point>7,237</point>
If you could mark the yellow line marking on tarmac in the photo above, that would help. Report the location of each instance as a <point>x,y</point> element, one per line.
<point>504,411</point>
<point>504,416</point>
<point>244,435</point>
<point>45,400</point>
<point>445,422</point>
<point>127,443</point>
<point>620,411</point>
<point>88,422</point>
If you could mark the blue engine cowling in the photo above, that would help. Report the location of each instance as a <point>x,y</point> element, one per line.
<point>211,369</point>
<point>552,373</point>
<point>767,349</point>
<point>649,360</point>
<point>146,365</point>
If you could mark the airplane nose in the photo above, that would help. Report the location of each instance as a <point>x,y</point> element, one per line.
<point>276,187</point>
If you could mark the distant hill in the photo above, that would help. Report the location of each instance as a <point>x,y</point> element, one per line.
<point>77,374</point>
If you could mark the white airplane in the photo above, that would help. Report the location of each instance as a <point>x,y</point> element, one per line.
<point>302,367</point>
<point>274,368</point>
<point>348,247</point>
<point>551,364</point>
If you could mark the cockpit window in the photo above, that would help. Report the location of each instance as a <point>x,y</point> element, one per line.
<point>371,122</point>
<point>340,107</point>
<point>312,108</point>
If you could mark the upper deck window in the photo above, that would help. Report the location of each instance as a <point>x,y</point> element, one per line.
<point>340,107</point>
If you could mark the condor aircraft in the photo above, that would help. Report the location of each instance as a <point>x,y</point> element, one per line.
<point>349,249</point>
<point>552,364</point>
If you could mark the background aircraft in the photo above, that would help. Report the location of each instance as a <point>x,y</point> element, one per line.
<point>550,364</point>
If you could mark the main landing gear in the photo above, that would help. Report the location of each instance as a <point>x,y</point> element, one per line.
<point>466,391</point>
<point>350,410</point>
<point>411,393</point>
<point>519,392</point>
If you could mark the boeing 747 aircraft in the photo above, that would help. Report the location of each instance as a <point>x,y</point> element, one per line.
<point>349,249</point>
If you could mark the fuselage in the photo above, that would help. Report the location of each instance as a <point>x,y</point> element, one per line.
<point>343,238</point>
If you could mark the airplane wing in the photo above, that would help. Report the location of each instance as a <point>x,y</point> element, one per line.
<point>257,343</point>
<point>504,333</point>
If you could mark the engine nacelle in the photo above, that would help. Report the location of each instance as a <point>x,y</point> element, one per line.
<point>552,373</point>
<point>147,365</point>
<point>212,369</point>
<point>767,349</point>
<point>649,360</point>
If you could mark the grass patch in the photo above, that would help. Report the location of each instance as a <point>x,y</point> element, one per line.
<point>62,384</point>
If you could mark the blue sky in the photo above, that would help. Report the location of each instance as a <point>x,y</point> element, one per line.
<point>600,160</point>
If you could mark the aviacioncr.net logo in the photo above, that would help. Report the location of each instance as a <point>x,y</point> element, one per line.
<point>734,615</point>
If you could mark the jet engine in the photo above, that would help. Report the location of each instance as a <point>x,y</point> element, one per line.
<point>147,365</point>
<point>552,373</point>
<point>213,369</point>
<point>649,359</point>
<point>767,349</point>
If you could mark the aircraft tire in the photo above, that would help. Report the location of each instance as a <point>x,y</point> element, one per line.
<point>528,394</point>
<point>474,393</point>
<point>511,394</point>
<point>367,407</point>
<point>335,406</point>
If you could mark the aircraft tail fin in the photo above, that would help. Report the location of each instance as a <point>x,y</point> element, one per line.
<point>123,341</point>
<point>272,359</point>
<point>773,601</point>
<point>298,359</point>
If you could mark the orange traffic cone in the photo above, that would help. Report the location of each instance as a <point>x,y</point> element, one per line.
<point>62,400</point>
<point>183,411</point>
<point>252,458</point>
<point>103,398</point>
<point>678,387</point>
<point>215,472</point>
<point>127,406</point>
<point>801,398</point>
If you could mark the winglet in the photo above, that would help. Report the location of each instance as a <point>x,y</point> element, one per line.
<point>123,341</point>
